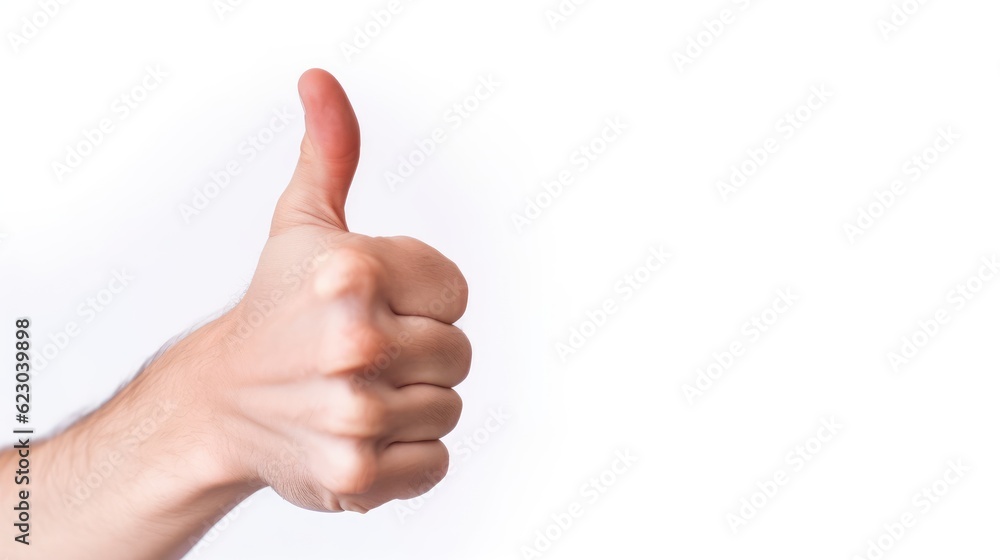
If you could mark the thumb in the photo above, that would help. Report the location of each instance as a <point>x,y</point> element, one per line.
<point>328,158</point>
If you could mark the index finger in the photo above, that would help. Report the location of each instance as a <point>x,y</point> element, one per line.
<point>421,281</point>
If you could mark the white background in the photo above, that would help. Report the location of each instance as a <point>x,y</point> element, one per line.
<point>655,186</point>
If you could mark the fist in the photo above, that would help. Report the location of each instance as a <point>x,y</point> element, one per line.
<point>339,363</point>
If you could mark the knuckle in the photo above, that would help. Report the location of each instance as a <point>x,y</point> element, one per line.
<point>355,475</point>
<point>410,244</point>
<point>366,416</point>
<point>364,341</point>
<point>346,412</point>
<point>350,272</point>
<point>353,345</point>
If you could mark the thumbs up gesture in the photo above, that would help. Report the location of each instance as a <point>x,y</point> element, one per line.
<point>335,373</point>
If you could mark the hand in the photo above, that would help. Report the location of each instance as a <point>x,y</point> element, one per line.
<point>332,380</point>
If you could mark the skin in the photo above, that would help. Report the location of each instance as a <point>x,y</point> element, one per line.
<point>331,382</point>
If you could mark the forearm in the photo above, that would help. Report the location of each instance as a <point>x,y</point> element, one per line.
<point>136,479</point>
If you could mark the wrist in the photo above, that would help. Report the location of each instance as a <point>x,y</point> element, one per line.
<point>154,455</point>
<point>185,394</point>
